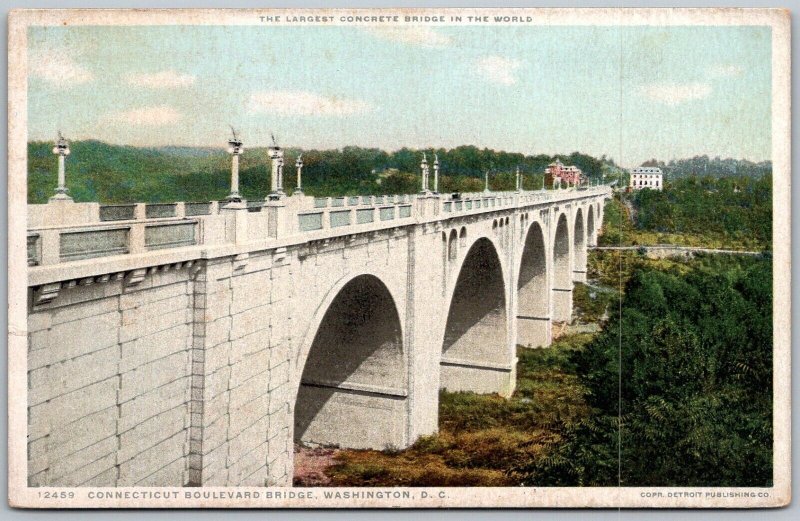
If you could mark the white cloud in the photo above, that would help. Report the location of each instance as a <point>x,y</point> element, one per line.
<point>161,80</point>
<point>725,71</point>
<point>498,69</point>
<point>157,116</point>
<point>303,103</point>
<point>675,93</point>
<point>415,35</point>
<point>59,70</point>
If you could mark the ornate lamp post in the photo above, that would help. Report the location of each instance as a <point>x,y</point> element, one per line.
<point>486,181</point>
<point>299,166</point>
<point>425,174</point>
<point>276,155</point>
<point>235,149</point>
<point>61,149</point>
<point>519,180</point>
<point>436,173</point>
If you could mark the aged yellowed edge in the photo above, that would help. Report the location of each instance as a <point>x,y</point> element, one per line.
<point>20,495</point>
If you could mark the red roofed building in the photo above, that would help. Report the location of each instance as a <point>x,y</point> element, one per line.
<point>558,173</point>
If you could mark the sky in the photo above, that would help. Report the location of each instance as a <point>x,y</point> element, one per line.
<point>630,93</point>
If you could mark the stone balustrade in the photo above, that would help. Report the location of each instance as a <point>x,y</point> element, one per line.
<point>63,231</point>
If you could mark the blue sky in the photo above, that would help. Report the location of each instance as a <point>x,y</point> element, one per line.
<point>631,93</point>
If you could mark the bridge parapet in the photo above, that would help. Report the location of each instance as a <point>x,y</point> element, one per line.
<point>64,231</point>
<point>336,212</point>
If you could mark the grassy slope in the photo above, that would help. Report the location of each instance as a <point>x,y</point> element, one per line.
<point>484,440</point>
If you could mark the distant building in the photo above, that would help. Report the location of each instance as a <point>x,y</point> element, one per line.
<point>559,173</point>
<point>647,177</point>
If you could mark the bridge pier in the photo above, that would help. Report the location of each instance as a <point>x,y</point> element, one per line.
<point>562,304</point>
<point>480,378</point>
<point>579,248</point>
<point>534,331</point>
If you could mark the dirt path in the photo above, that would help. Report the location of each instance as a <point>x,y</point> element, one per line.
<point>630,210</point>
<point>310,465</point>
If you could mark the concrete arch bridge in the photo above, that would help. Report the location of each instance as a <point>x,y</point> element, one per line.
<point>193,343</point>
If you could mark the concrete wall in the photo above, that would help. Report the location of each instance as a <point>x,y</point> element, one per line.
<point>208,370</point>
<point>242,369</point>
<point>109,383</point>
<point>579,247</point>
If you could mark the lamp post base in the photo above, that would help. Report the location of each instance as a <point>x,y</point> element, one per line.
<point>61,196</point>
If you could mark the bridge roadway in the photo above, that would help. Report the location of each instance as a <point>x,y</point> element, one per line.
<point>192,344</point>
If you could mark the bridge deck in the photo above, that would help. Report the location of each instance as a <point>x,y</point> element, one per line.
<point>69,240</point>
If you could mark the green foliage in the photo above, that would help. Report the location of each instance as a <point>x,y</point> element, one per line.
<point>693,354</point>
<point>617,227</point>
<point>711,167</point>
<point>730,212</point>
<point>735,210</point>
<point>106,173</point>
<point>614,268</point>
<point>590,302</point>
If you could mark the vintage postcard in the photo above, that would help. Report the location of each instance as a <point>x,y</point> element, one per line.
<point>399,258</point>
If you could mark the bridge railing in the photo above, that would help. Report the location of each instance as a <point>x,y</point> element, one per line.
<point>53,244</point>
<point>480,201</point>
<point>341,212</point>
<point>62,232</point>
<point>362,200</point>
<point>65,232</point>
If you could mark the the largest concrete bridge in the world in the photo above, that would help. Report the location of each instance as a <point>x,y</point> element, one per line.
<point>195,343</point>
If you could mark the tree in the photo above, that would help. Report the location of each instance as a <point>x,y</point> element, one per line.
<point>693,355</point>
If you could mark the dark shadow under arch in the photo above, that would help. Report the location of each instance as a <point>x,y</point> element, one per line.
<point>562,273</point>
<point>533,291</point>
<point>354,367</point>
<point>475,354</point>
<point>579,243</point>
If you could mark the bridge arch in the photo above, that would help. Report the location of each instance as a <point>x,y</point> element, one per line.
<point>350,381</point>
<point>533,291</point>
<point>475,347</point>
<point>562,271</point>
<point>591,231</point>
<point>579,247</point>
